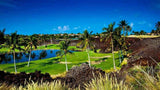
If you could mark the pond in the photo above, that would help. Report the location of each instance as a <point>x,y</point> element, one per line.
<point>23,57</point>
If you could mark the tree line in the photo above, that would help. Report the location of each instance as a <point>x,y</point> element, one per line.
<point>115,35</point>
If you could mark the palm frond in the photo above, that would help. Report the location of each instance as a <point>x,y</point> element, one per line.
<point>60,53</point>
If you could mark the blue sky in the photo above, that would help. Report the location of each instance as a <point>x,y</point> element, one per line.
<point>73,16</point>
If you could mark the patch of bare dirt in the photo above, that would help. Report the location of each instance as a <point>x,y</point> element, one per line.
<point>97,62</point>
<point>65,62</point>
<point>101,57</point>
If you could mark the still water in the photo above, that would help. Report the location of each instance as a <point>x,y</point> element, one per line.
<point>23,56</point>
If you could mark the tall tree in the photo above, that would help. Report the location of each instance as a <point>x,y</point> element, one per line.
<point>126,28</point>
<point>110,35</point>
<point>2,36</point>
<point>158,27</point>
<point>64,50</point>
<point>142,32</point>
<point>13,45</point>
<point>44,39</point>
<point>86,43</point>
<point>51,38</point>
<point>123,24</point>
<point>31,45</point>
<point>117,41</point>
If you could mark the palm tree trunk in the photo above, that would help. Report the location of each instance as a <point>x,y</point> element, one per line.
<point>14,62</point>
<point>113,54</point>
<point>122,54</point>
<point>66,63</point>
<point>29,58</point>
<point>119,57</point>
<point>44,43</point>
<point>51,41</point>
<point>123,32</point>
<point>89,57</point>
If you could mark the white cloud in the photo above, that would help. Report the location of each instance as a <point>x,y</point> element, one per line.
<point>131,24</point>
<point>77,27</point>
<point>59,27</point>
<point>62,28</point>
<point>65,28</point>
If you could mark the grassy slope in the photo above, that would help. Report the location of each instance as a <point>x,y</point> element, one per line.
<point>51,46</point>
<point>108,64</point>
<point>52,65</point>
<point>143,36</point>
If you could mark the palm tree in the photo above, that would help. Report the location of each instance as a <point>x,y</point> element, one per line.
<point>158,27</point>
<point>109,33</point>
<point>123,24</point>
<point>31,45</point>
<point>51,37</point>
<point>86,43</point>
<point>13,44</point>
<point>117,41</point>
<point>2,36</point>
<point>142,32</point>
<point>44,39</point>
<point>64,50</point>
<point>126,28</point>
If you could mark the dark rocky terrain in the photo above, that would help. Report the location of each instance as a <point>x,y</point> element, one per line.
<point>74,78</point>
<point>23,78</point>
<point>79,75</point>
<point>145,52</point>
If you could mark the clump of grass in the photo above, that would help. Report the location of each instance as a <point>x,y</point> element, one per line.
<point>124,62</point>
<point>59,75</point>
<point>136,78</point>
<point>56,85</point>
<point>5,86</point>
<point>104,83</point>
<point>112,70</point>
<point>141,79</point>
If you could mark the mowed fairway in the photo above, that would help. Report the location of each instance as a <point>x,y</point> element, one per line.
<point>56,65</point>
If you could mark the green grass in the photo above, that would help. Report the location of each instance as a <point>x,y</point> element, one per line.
<point>6,50</point>
<point>50,46</point>
<point>108,63</point>
<point>53,65</point>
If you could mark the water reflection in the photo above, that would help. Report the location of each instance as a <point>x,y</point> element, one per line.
<point>5,58</point>
<point>33,55</point>
<point>18,56</point>
<point>24,56</point>
<point>43,54</point>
